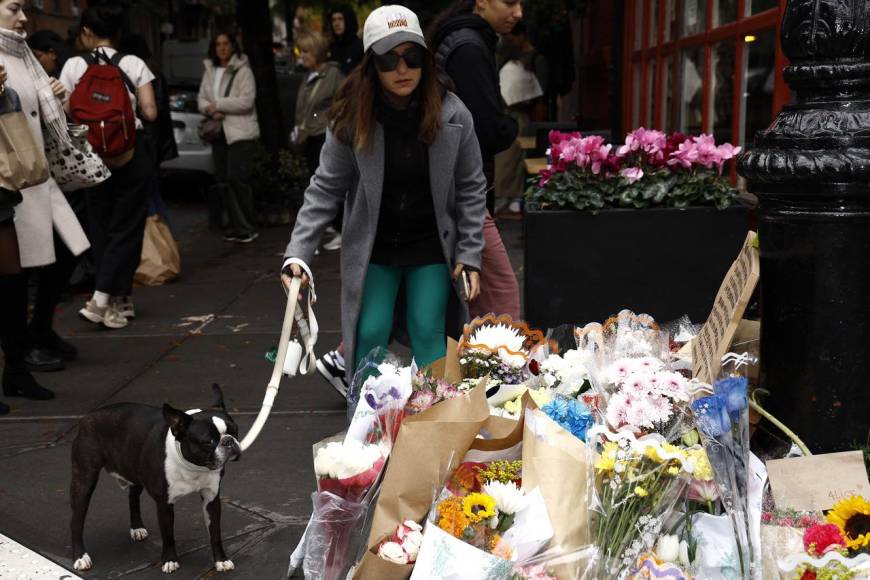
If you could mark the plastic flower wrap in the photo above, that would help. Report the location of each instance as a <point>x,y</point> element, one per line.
<point>648,401</point>
<point>565,374</point>
<point>636,483</point>
<point>347,468</point>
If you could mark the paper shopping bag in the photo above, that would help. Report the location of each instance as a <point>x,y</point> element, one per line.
<point>160,261</point>
<point>22,159</point>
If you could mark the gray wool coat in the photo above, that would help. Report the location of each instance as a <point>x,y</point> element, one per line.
<point>355,178</point>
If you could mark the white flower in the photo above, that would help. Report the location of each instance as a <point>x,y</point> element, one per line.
<point>509,499</point>
<point>393,552</point>
<point>412,525</point>
<point>500,339</point>
<point>684,553</point>
<point>391,388</point>
<point>340,460</point>
<point>668,548</point>
<point>411,544</point>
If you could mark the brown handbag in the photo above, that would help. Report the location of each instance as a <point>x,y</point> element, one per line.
<point>22,160</point>
<point>209,129</point>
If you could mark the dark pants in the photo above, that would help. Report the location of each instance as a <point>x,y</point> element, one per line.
<point>233,167</point>
<point>13,300</point>
<point>52,281</point>
<point>116,220</point>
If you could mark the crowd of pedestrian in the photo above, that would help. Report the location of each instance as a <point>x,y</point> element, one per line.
<point>406,136</point>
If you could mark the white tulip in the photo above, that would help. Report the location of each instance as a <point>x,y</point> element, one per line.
<point>668,548</point>
<point>393,552</point>
<point>684,553</point>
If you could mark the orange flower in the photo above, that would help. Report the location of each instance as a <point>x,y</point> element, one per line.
<point>450,517</point>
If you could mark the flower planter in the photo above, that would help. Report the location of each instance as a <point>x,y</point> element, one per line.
<point>667,262</point>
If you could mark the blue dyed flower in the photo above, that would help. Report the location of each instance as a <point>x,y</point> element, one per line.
<point>711,416</point>
<point>733,390</point>
<point>571,414</point>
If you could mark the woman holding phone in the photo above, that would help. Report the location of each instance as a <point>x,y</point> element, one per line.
<point>402,157</point>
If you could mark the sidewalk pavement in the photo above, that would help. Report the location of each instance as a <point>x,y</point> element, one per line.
<point>214,324</point>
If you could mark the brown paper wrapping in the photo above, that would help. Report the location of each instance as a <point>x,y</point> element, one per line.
<point>160,261</point>
<point>556,463</point>
<point>428,445</point>
<point>372,566</point>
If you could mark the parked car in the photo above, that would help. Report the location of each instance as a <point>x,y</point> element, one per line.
<point>183,68</point>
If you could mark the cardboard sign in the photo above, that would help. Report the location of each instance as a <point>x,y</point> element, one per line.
<point>817,482</point>
<point>715,337</point>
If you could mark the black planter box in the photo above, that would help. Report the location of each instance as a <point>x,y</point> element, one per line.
<point>666,262</point>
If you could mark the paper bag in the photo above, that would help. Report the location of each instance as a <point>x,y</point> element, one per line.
<point>419,463</point>
<point>373,566</point>
<point>447,368</point>
<point>554,461</point>
<point>161,261</point>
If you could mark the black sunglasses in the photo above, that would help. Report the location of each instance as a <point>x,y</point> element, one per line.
<point>413,58</point>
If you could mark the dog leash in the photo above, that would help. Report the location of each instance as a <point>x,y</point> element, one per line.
<point>308,330</point>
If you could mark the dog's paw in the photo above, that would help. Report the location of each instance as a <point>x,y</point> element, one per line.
<point>83,563</point>
<point>170,567</point>
<point>224,566</point>
<point>138,534</point>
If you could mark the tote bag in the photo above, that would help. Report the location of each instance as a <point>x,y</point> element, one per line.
<point>22,160</point>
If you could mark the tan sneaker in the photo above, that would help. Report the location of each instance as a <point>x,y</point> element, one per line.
<point>108,316</point>
<point>124,306</point>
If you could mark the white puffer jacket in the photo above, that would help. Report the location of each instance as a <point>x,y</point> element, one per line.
<point>240,123</point>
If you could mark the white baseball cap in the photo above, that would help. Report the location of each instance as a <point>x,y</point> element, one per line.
<point>389,26</point>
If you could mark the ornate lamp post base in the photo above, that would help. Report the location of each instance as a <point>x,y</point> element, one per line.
<point>811,172</point>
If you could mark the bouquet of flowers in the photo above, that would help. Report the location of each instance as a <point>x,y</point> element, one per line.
<point>723,422</point>
<point>482,523</point>
<point>837,546</point>
<point>427,391</point>
<point>404,545</point>
<point>636,484</point>
<point>650,169</point>
<point>499,348</point>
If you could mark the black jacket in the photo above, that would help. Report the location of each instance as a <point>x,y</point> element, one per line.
<point>407,233</point>
<point>347,49</point>
<point>465,48</point>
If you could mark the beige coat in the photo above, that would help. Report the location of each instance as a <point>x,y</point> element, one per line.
<point>240,123</point>
<point>45,208</point>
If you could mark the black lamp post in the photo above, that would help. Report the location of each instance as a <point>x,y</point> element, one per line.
<point>811,172</point>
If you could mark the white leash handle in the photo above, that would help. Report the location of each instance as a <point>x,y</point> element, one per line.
<point>309,337</point>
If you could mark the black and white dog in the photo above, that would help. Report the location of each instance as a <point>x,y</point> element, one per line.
<point>168,453</point>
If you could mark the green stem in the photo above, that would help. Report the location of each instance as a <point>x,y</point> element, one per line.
<point>789,433</point>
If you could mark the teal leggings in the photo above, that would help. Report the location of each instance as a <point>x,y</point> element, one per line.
<point>427,290</point>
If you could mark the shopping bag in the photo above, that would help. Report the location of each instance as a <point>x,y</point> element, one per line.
<point>161,261</point>
<point>22,160</point>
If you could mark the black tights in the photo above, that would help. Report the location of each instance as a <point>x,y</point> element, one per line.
<point>13,300</point>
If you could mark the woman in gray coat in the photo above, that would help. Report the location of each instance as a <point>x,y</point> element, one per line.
<point>402,157</point>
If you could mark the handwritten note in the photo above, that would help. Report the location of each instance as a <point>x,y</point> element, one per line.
<point>715,337</point>
<point>817,482</point>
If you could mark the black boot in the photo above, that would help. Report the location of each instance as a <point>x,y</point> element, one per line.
<point>51,342</point>
<point>18,382</point>
<point>4,409</point>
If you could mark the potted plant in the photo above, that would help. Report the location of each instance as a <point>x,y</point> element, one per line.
<point>650,225</point>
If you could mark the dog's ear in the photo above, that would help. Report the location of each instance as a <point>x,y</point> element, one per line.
<point>219,397</point>
<point>178,421</point>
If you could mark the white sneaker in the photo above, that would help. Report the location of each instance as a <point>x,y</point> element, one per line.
<point>514,206</point>
<point>333,244</point>
<point>124,306</point>
<point>108,316</point>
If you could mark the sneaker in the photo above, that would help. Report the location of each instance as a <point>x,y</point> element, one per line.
<point>246,238</point>
<point>108,316</point>
<point>333,244</point>
<point>124,306</point>
<point>38,360</point>
<point>231,237</point>
<point>331,370</point>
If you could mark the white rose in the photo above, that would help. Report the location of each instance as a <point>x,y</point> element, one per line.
<point>684,553</point>
<point>411,544</point>
<point>392,552</point>
<point>668,548</point>
<point>412,525</point>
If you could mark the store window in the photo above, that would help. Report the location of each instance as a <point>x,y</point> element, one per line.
<point>703,66</point>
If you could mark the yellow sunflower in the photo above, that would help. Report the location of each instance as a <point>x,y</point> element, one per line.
<point>852,516</point>
<point>478,507</point>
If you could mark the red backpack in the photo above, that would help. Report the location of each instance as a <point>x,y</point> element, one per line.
<point>102,102</point>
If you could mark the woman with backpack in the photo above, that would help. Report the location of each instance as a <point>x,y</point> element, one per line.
<point>227,96</point>
<point>107,89</point>
<point>401,157</point>
<point>29,217</point>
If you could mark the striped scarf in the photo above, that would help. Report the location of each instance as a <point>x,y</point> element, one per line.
<point>50,109</point>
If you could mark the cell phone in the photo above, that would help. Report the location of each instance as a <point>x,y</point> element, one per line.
<point>466,290</point>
